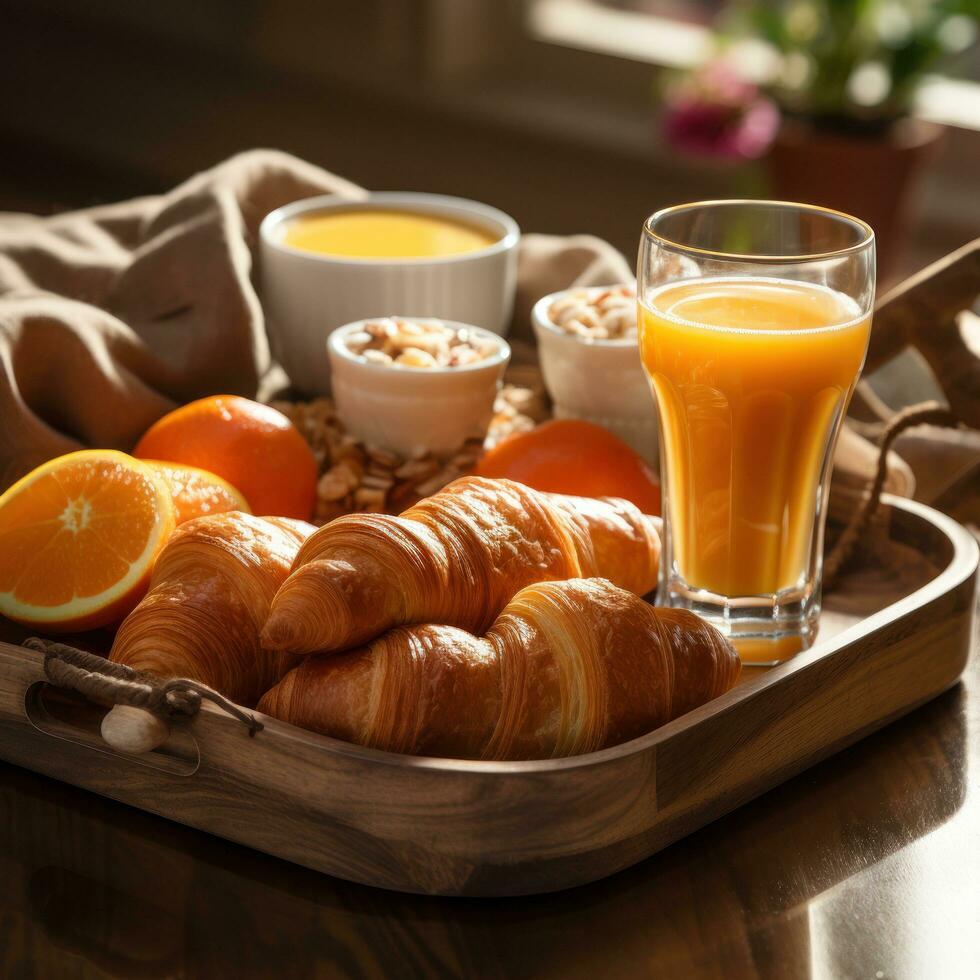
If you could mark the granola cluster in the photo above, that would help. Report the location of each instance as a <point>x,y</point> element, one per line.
<point>419,343</point>
<point>355,477</point>
<point>608,315</point>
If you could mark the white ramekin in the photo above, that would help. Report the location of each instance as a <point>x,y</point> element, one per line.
<point>601,381</point>
<point>306,295</point>
<point>415,410</point>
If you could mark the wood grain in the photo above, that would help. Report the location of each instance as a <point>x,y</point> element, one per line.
<point>450,827</point>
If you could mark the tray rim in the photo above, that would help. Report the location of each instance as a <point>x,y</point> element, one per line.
<point>964,563</point>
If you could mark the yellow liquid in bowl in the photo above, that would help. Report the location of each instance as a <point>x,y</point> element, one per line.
<point>379,234</point>
<point>752,378</point>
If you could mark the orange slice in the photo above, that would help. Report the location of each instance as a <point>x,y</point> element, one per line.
<point>197,492</point>
<point>78,538</point>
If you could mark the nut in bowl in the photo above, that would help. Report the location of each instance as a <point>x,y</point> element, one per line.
<point>414,385</point>
<point>587,341</point>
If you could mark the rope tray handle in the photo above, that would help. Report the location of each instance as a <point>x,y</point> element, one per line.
<point>102,680</point>
<point>924,413</point>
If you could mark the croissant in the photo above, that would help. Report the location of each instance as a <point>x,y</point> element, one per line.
<point>209,595</point>
<point>568,667</point>
<point>455,558</point>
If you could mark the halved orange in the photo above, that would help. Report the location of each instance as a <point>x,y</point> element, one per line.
<point>78,539</point>
<point>197,492</point>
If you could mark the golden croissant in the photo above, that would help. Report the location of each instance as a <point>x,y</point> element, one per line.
<point>568,667</point>
<point>209,595</point>
<point>455,558</point>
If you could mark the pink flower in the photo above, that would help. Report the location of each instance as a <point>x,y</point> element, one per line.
<point>714,112</point>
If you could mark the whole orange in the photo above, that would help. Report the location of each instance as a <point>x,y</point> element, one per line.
<point>252,446</point>
<point>575,457</point>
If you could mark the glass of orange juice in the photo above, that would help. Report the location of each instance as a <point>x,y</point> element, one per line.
<point>754,323</point>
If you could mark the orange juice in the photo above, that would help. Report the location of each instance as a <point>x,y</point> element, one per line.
<point>752,377</point>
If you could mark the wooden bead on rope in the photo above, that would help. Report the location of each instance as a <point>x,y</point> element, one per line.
<point>141,703</point>
<point>134,730</point>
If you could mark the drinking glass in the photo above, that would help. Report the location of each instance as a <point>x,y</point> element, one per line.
<point>754,323</point>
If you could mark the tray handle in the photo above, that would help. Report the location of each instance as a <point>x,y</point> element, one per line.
<point>142,704</point>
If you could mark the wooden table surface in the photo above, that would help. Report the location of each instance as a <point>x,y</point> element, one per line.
<point>867,866</point>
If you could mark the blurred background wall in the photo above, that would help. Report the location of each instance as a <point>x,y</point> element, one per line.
<point>550,109</point>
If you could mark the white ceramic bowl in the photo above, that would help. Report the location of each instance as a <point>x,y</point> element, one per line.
<point>601,381</point>
<point>306,295</point>
<point>415,410</point>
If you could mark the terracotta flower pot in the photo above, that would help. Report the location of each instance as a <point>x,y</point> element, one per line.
<point>874,178</point>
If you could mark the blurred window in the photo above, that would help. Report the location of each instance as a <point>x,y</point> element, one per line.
<point>672,33</point>
<point>697,11</point>
<point>677,34</point>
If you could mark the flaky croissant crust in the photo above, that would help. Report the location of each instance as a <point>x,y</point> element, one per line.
<point>568,667</point>
<point>210,593</point>
<point>455,558</point>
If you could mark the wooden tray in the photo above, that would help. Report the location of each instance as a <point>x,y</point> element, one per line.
<point>895,633</point>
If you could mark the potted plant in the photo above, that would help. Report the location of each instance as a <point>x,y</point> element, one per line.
<point>845,77</point>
